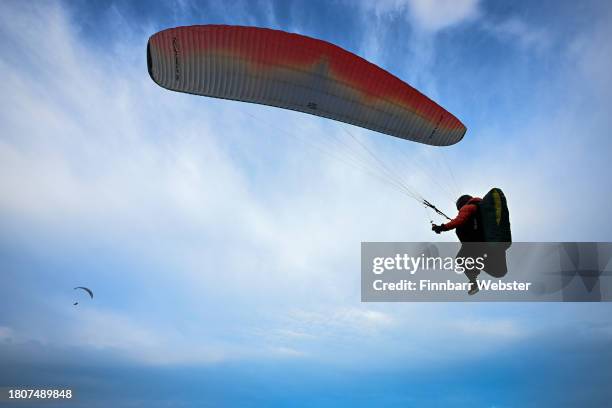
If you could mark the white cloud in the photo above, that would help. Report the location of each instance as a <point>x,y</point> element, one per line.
<point>591,54</point>
<point>440,14</point>
<point>518,32</point>
<point>428,15</point>
<point>90,329</point>
<point>347,319</point>
<point>6,333</point>
<point>497,329</point>
<point>147,342</point>
<point>288,352</point>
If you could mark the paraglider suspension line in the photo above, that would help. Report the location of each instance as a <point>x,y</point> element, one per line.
<point>433,207</point>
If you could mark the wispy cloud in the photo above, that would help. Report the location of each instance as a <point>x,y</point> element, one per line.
<point>440,14</point>
<point>516,31</point>
<point>427,15</point>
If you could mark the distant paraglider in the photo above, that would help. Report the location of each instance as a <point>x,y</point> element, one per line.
<point>89,292</point>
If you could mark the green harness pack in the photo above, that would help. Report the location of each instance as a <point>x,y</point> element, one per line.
<point>495,217</point>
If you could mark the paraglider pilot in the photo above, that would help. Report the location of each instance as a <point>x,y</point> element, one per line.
<point>470,228</point>
<point>467,229</point>
<point>465,223</point>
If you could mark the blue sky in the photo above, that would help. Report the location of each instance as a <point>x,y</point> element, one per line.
<point>224,252</point>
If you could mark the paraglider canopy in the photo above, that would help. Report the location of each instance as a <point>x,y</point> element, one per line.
<point>87,290</point>
<point>296,72</point>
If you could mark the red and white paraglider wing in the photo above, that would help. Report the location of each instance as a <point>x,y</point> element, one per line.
<point>296,72</point>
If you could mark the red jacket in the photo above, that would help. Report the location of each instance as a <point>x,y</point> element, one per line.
<point>465,214</point>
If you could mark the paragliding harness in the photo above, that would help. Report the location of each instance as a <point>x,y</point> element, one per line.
<point>494,218</point>
<point>491,223</point>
